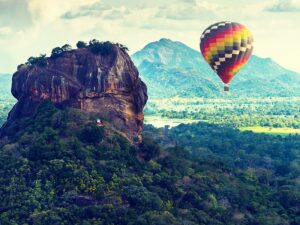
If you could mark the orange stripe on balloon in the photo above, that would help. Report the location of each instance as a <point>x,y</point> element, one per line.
<point>227,74</point>
<point>208,49</point>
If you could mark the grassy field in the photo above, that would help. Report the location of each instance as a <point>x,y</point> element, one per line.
<point>159,122</point>
<point>271,130</point>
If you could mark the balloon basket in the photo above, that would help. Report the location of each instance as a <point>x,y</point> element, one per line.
<point>226,88</point>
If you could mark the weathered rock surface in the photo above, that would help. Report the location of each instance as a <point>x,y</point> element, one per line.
<point>107,85</point>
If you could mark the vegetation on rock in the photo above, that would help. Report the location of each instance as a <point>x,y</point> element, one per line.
<point>40,61</point>
<point>101,48</point>
<point>81,44</point>
<point>58,51</point>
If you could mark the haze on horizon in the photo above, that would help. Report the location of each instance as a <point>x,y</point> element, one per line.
<point>31,27</point>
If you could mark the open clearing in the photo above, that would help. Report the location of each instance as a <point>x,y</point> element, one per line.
<point>271,130</point>
<point>159,122</point>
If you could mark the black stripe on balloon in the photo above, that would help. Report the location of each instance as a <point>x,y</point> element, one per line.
<point>221,54</point>
<point>225,65</point>
<point>215,57</point>
<point>228,49</point>
<point>237,44</point>
<point>243,54</point>
<point>214,32</point>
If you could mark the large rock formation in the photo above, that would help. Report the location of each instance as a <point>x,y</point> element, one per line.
<point>108,85</point>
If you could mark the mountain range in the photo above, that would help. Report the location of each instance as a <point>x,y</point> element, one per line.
<point>171,68</point>
<point>5,83</point>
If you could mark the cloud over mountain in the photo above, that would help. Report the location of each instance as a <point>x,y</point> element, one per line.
<point>284,6</point>
<point>25,26</point>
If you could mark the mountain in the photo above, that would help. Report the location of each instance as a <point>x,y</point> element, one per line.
<point>99,78</point>
<point>5,83</point>
<point>6,99</point>
<point>170,68</point>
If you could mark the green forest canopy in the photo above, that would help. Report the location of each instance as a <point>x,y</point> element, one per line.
<point>54,172</point>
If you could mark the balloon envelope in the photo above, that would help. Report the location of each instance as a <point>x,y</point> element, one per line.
<point>226,47</point>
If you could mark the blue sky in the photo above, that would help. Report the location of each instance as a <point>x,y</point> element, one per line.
<point>31,27</point>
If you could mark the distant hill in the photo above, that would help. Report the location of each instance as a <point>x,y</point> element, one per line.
<point>5,83</point>
<point>171,68</point>
<point>6,99</point>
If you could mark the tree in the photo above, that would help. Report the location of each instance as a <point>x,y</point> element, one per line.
<point>122,47</point>
<point>100,48</point>
<point>56,52</point>
<point>40,61</point>
<point>91,134</point>
<point>149,148</point>
<point>81,44</point>
<point>20,66</point>
<point>66,48</point>
<point>93,42</point>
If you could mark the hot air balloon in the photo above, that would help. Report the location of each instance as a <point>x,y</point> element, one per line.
<point>226,47</point>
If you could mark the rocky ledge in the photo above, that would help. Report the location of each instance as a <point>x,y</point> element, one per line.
<point>98,78</point>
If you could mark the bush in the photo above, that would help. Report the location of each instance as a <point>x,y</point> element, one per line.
<point>20,66</point>
<point>81,44</point>
<point>149,148</point>
<point>40,61</point>
<point>101,48</point>
<point>122,47</point>
<point>58,51</point>
<point>66,48</point>
<point>91,134</point>
<point>143,199</point>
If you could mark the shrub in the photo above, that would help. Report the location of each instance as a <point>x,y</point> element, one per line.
<point>101,48</point>
<point>91,134</point>
<point>122,47</point>
<point>20,66</point>
<point>56,52</point>
<point>81,44</point>
<point>40,61</point>
<point>149,148</point>
<point>66,48</point>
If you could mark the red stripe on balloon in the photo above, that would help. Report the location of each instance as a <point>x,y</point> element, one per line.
<point>219,35</point>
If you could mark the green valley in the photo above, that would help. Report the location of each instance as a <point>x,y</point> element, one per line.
<point>6,99</point>
<point>271,130</point>
<point>273,112</point>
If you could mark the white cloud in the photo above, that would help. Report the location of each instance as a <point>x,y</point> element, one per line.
<point>5,31</point>
<point>284,6</point>
<point>40,25</point>
<point>190,10</point>
<point>49,10</point>
<point>95,8</point>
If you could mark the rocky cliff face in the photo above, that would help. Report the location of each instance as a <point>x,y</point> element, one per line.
<point>107,85</point>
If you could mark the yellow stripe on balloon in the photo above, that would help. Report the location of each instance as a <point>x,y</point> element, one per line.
<point>221,43</point>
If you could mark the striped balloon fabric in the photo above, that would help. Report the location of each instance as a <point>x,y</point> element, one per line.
<point>226,47</point>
